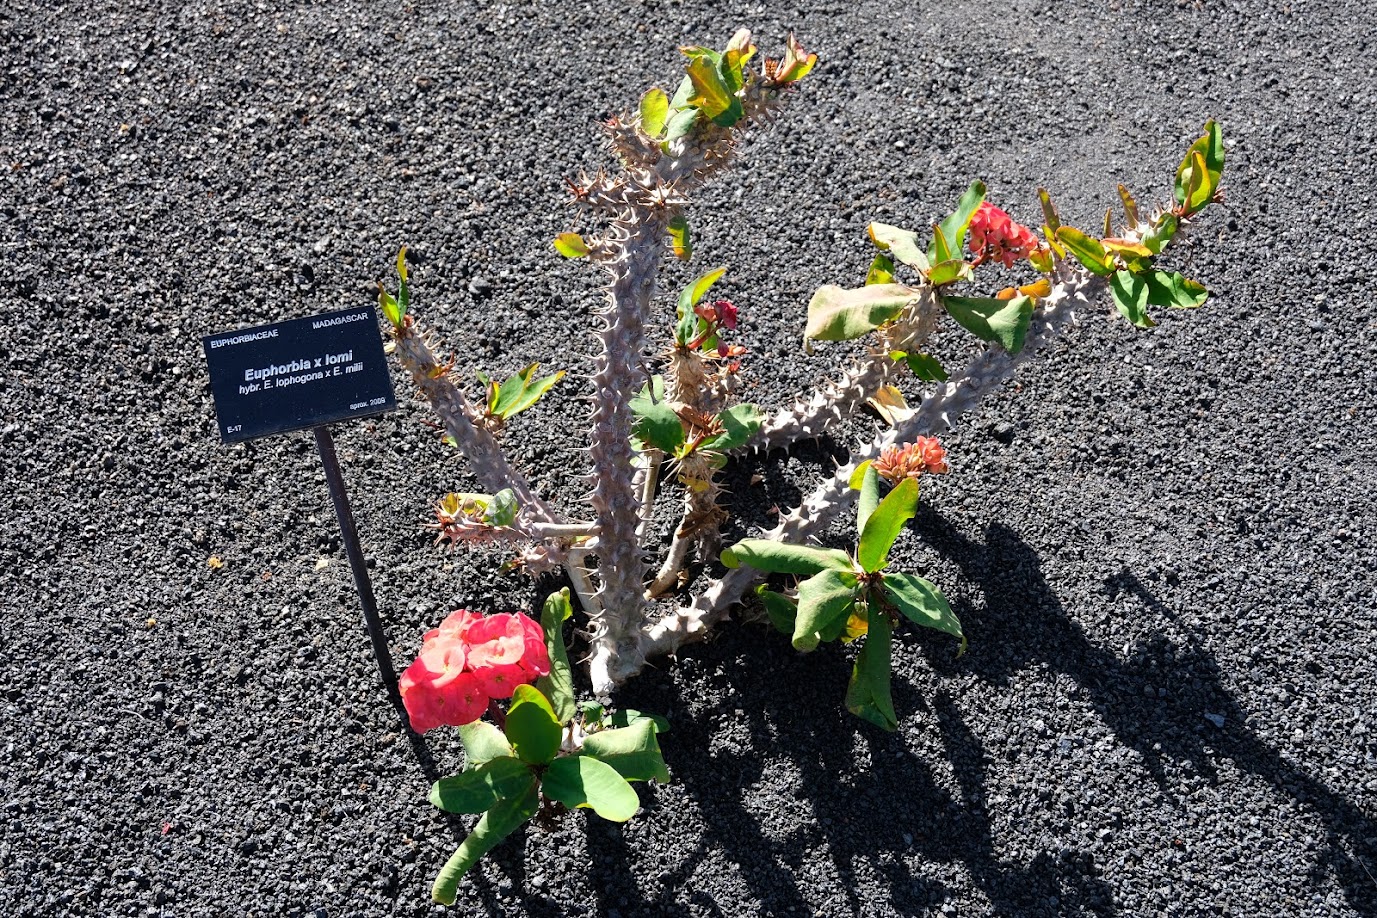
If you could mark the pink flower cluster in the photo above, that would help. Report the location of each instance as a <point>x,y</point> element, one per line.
<point>911,460</point>
<point>468,660</point>
<point>994,234</point>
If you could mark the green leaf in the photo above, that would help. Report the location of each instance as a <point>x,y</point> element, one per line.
<point>1197,180</point>
<point>534,390</point>
<point>654,112</point>
<point>390,308</point>
<point>1131,298</point>
<point>949,271</point>
<point>1049,212</point>
<point>532,727</point>
<point>712,91</point>
<point>835,314</point>
<point>632,750</point>
<point>780,608</point>
<point>1168,288</point>
<point>583,781</point>
<point>868,693</point>
<point>901,243</point>
<point>478,789</point>
<point>681,124</point>
<point>558,684</point>
<point>1086,250</point>
<point>740,422</point>
<point>881,271</point>
<point>656,423</point>
<point>883,526</point>
<point>1004,321</point>
<point>782,558</point>
<point>592,713</point>
<point>870,495</point>
<point>679,238</point>
<point>571,245</point>
<point>1156,239</point>
<point>926,367</point>
<point>496,824</point>
<point>625,717</point>
<point>502,509</point>
<point>520,392</point>
<point>858,476</point>
<point>510,390</point>
<point>1130,206</point>
<point>823,599</point>
<point>482,743</point>
<point>691,295</point>
<point>923,604</point>
<point>952,230</point>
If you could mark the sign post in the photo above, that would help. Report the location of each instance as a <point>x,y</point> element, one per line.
<point>310,373</point>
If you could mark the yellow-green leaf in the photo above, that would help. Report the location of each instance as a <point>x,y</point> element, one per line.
<point>881,271</point>
<point>679,238</point>
<point>654,112</point>
<point>571,245</point>
<point>1087,251</point>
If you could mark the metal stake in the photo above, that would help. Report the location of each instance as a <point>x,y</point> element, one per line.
<point>325,445</point>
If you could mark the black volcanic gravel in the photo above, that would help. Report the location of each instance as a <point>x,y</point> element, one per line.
<point>1161,544</point>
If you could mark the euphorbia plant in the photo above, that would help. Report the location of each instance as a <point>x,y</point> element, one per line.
<point>685,419</point>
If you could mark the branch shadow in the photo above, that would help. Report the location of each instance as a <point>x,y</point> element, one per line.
<point>1155,699</point>
<point>861,805</point>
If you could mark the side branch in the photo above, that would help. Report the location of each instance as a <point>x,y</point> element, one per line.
<point>490,465</point>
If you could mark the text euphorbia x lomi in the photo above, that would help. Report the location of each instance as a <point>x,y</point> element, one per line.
<point>467,661</point>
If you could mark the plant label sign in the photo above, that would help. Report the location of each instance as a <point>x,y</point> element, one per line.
<point>298,374</point>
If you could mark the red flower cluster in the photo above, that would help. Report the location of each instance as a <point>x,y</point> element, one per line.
<point>994,234</point>
<point>900,462</point>
<point>722,312</point>
<point>468,660</point>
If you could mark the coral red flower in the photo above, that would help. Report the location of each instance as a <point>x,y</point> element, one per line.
<point>923,455</point>
<point>467,661</point>
<point>994,234</point>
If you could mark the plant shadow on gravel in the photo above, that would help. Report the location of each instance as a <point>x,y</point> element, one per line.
<point>892,807</point>
<point>1023,617</point>
<point>852,810</point>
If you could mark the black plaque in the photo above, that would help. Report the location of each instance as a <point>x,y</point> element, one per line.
<point>297,374</point>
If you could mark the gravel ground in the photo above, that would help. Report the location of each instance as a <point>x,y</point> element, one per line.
<point>1161,544</point>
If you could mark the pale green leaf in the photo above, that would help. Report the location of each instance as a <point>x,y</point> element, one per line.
<point>583,781</point>
<point>823,600</point>
<point>496,824</point>
<point>837,314</point>
<point>633,750</point>
<point>783,558</point>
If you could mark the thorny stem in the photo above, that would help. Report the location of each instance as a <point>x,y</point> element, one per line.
<point>652,191</point>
